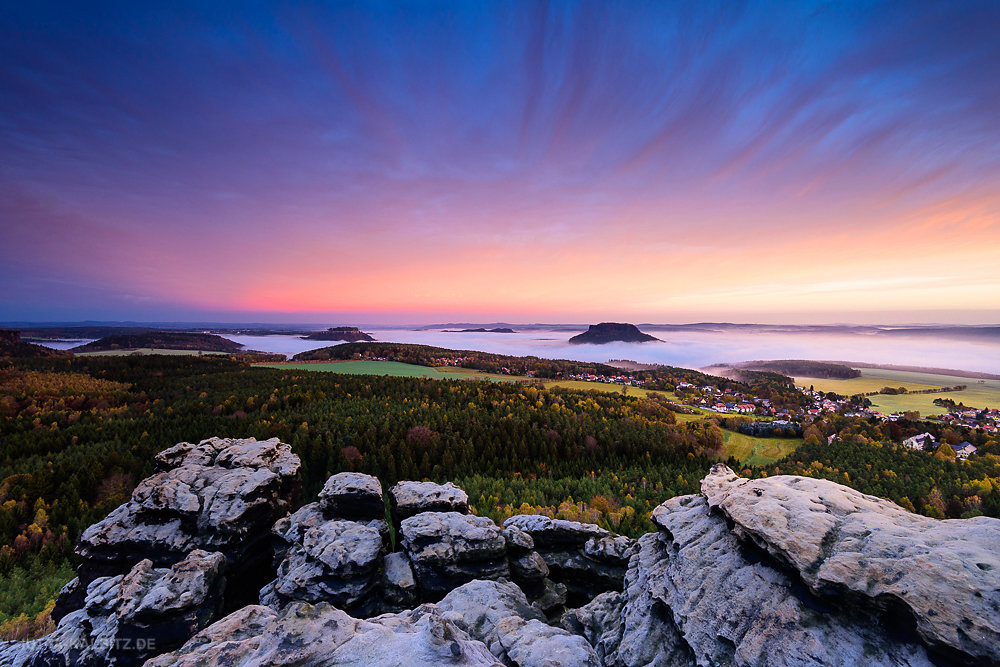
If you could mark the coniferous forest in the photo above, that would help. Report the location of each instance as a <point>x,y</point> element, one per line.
<point>77,433</point>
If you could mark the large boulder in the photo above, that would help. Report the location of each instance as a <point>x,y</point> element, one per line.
<point>944,575</point>
<point>323,556</point>
<point>352,495</point>
<point>410,498</point>
<point>587,559</point>
<point>499,615</point>
<point>218,495</point>
<point>302,634</point>
<point>289,531</point>
<point>448,549</point>
<point>128,618</point>
<point>337,562</point>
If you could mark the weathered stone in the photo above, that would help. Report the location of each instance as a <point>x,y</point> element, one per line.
<point>600,623</point>
<point>304,634</point>
<point>529,570</point>
<point>616,550</point>
<point>586,559</point>
<point>399,584</point>
<point>843,543</point>
<point>536,644</point>
<point>219,495</point>
<point>128,618</point>
<point>448,549</point>
<point>518,541</point>
<point>352,495</point>
<point>550,599</point>
<point>547,533</point>
<point>410,498</point>
<point>290,530</point>
<point>498,614</point>
<point>336,561</point>
<point>228,641</point>
<point>711,586</point>
<point>741,609</point>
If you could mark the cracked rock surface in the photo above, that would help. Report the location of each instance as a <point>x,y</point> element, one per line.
<point>944,574</point>
<point>128,618</point>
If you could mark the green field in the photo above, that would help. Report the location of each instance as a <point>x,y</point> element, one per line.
<point>979,394</point>
<point>757,451</point>
<point>143,351</point>
<point>459,373</point>
<point>606,388</point>
<point>392,368</point>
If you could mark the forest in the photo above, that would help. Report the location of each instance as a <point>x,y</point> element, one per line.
<point>774,386</point>
<point>77,433</point>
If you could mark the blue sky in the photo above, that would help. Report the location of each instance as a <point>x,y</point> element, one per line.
<point>519,161</point>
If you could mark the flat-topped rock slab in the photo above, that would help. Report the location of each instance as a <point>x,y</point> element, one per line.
<point>352,495</point>
<point>410,498</point>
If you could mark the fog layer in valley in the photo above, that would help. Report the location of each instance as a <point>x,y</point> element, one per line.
<point>692,349</point>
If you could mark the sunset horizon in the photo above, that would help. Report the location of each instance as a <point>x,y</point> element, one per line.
<point>487,162</point>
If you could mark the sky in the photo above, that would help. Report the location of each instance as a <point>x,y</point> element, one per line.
<point>520,161</point>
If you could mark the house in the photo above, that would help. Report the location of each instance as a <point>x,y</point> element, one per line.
<point>964,449</point>
<point>920,442</point>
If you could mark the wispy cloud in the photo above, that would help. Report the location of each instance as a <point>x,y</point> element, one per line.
<point>620,158</point>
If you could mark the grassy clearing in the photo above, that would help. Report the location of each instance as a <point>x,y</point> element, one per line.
<point>757,451</point>
<point>683,418</point>
<point>391,368</point>
<point>860,385</point>
<point>458,373</point>
<point>607,388</point>
<point>979,393</point>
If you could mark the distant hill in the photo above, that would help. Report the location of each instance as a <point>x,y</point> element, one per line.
<point>800,368</point>
<point>162,340</point>
<point>11,345</point>
<point>348,334</point>
<point>480,330</point>
<point>611,332</point>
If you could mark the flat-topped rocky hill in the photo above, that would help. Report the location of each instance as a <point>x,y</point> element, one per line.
<point>611,332</point>
<point>213,562</point>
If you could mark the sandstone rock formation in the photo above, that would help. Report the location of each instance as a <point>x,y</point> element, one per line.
<point>305,634</point>
<point>352,495</point>
<point>587,559</point>
<point>943,575</point>
<point>776,571</point>
<point>336,561</point>
<point>409,498</point>
<point>128,618</point>
<point>323,556</point>
<point>499,615</point>
<point>219,495</point>
<point>448,549</point>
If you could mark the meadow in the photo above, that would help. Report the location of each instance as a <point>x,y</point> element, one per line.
<point>756,451</point>
<point>606,387</point>
<point>978,393</point>
<point>380,368</point>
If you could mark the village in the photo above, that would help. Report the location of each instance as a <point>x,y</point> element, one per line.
<point>710,398</point>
